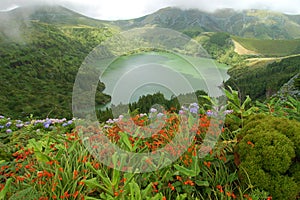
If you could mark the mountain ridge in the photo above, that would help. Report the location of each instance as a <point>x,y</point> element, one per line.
<point>252,23</point>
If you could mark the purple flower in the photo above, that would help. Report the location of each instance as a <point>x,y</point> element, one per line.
<point>110,121</point>
<point>194,105</point>
<point>160,115</point>
<point>1,117</point>
<point>181,112</point>
<point>64,124</point>
<point>46,125</point>
<point>8,131</point>
<point>8,124</point>
<point>1,126</point>
<point>194,110</point>
<point>70,122</point>
<point>209,113</point>
<point>153,110</point>
<point>19,125</point>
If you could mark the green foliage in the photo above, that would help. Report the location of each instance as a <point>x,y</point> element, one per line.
<point>267,150</point>
<point>241,109</point>
<point>146,102</point>
<point>265,81</point>
<point>297,83</point>
<point>220,39</point>
<point>38,73</point>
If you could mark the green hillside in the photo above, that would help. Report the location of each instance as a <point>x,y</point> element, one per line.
<point>270,47</point>
<point>263,81</point>
<point>39,66</point>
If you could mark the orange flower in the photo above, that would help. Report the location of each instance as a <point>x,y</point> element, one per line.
<point>75,194</point>
<point>233,195</point>
<point>220,188</point>
<point>84,159</point>
<point>20,178</point>
<point>207,164</point>
<point>75,174</point>
<point>171,186</point>
<point>80,183</point>
<point>179,178</point>
<point>189,182</point>
<point>96,165</point>
<point>250,143</point>
<point>164,198</point>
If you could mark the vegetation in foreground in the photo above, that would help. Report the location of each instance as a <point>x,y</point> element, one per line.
<point>47,159</point>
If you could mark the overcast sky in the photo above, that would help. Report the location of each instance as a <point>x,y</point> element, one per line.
<point>127,9</point>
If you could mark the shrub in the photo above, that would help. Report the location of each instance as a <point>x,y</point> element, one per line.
<point>267,154</point>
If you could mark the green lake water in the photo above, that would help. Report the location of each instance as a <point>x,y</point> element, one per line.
<point>129,77</point>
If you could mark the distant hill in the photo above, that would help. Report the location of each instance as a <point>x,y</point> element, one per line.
<point>249,23</point>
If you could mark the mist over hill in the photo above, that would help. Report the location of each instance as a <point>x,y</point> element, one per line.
<point>248,23</point>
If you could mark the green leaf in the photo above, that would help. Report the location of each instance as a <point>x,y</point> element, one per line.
<point>147,191</point>
<point>124,139</point>
<point>202,183</point>
<point>5,189</point>
<point>93,183</point>
<point>116,173</point>
<point>104,179</point>
<point>90,198</point>
<point>41,157</point>
<point>185,171</point>
<point>181,197</point>
<point>246,102</point>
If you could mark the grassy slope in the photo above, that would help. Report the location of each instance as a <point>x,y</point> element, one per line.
<point>270,47</point>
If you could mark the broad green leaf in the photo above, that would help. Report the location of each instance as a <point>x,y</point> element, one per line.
<point>185,171</point>
<point>181,197</point>
<point>5,189</point>
<point>93,183</point>
<point>104,179</point>
<point>202,183</point>
<point>125,140</point>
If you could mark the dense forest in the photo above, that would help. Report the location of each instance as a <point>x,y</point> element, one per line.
<point>38,74</point>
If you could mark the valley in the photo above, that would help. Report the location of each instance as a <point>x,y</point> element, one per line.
<point>191,104</point>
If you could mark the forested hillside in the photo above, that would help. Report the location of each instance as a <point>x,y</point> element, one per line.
<point>38,68</point>
<point>263,81</point>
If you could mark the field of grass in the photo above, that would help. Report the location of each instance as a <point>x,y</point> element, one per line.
<point>270,47</point>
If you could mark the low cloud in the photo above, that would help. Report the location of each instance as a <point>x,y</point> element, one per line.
<point>127,9</point>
